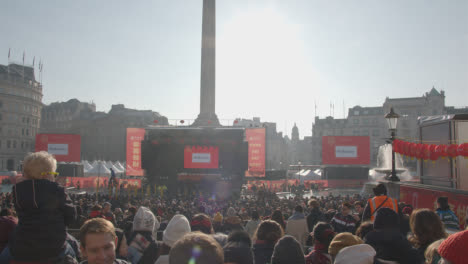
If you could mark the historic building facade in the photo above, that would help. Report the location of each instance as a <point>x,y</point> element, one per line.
<point>370,121</point>
<point>103,135</point>
<point>20,114</point>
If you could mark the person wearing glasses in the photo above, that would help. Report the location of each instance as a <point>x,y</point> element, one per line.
<point>44,210</point>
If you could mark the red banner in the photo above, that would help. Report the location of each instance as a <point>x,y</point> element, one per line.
<point>134,138</point>
<point>201,157</point>
<point>256,139</point>
<point>427,198</point>
<point>343,150</point>
<point>64,147</point>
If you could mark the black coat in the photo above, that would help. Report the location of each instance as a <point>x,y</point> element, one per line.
<point>263,252</point>
<point>44,210</point>
<point>392,245</point>
<point>314,217</point>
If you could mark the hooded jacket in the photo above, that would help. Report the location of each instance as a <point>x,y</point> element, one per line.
<point>44,210</point>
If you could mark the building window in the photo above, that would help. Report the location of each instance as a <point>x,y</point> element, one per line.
<point>14,144</point>
<point>1,104</point>
<point>375,132</point>
<point>1,117</point>
<point>355,132</point>
<point>8,143</point>
<point>365,121</point>
<point>22,144</point>
<point>27,132</point>
<point>365,132</point>
<point>22,131</point>
<point>356,112</point>
<point>356,121</point>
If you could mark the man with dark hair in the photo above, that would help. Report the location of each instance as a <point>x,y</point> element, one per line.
<point>446,215</point>
<point>198,248</point>
<point>344,222</point>
<point>380,200</point>
<point>238,249</point>
<point>297,226</point>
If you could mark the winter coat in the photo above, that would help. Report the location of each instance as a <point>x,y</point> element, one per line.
<point>391,245</point>
<point>251,227</point>
<point>143,248</point>
<point>318,256</point>
<point>297,227</point>
<point>314,217</point>
<point>232,223</point>
<point>343,223</point>
<point>44,210</point>
<point>263,251</point>
<point>7,226</point>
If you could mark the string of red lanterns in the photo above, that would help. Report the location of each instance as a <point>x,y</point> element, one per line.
<point>430,151</point>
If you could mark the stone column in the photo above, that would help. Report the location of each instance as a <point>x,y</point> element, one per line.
<point>207,116</point>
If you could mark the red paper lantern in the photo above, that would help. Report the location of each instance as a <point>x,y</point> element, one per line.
<point>418,151</point>
<point>462,150</point>
<point>396,146</point>
<point>441,150</point>
<point>434,155</point>
<point>406,148</point>
<point>413,150</point>
<point>452,150</point>
<point>426,151</point>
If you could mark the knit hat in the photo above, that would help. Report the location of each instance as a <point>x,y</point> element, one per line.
<point>218,217</point>
<point>343,240</point>
<point>288,251</point>
<point>238,252</point>
<point>386,218</point>
<point>357,254</point>
<point>144,220</point>
<point>454,248</point>
<point>407,210</point>
<point>176,229</point>
<point>231,212</point>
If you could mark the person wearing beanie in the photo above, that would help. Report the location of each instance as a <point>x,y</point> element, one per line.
<point>357,254</point>
<point>202,223</point>
<point>217,222</point>
<point>341,241</point>
<point>454,249</point>
<point>142,242</point>
<point>388,241</point>
<point>288,251</point>
<point>323,234</point>
<point>175,230</point>
<point>232,222</point>
<point>446,215</point>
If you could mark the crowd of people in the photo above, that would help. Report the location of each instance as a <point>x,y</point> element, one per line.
<point>41,223</point>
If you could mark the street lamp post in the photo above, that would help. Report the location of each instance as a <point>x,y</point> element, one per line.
<point>392,119</point>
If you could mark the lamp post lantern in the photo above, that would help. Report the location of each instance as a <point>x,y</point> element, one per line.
<point>392,119</point>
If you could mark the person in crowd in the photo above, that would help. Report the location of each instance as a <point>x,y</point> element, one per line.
<point>381,200</point>
<point>8,224</point>
<point>447,216</point>
<point>323,234</point>
<point>426,227</point>
<point>341,241</point>
<point>359,211</point>
<point>44,210</point>
<point>288,251</point>
<point>218,222</point>
<point>202,223</point>
<point>96,211</point>
<point>107,213</point>
<point>357,254</point>
<point>97,242</point>
<point>175,230</point>
<point>118,215</point>
<point>196,248</point>
<point>143,246</point>
<point>405,219</point>
<point>265,238</point>
<point>253,223</point>
<point>297,226</point>
<point>278,217</point>
<point>388,241</point>
<point>431,255</point>
<point>238,249</point>
<point>315,214</point>
<point>454,250</point>
<point>364,229</point>
<point>232,222</point>
<point>344,221</point>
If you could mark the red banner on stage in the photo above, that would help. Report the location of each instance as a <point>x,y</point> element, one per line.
<point>256,139</point>
<point>201,157</point>
<point>92,182</point>
<point>134,138</point>
<point>64,147</point>
<point>344,150</point>
<point>427,198</point>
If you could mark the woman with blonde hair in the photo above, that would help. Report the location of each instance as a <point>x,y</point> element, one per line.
<point>265,238</point>
<point>426,227</point>
<point>431,255</point>
<point>44,210</point>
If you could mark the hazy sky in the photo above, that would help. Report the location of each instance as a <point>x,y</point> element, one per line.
<point>275,59</point>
